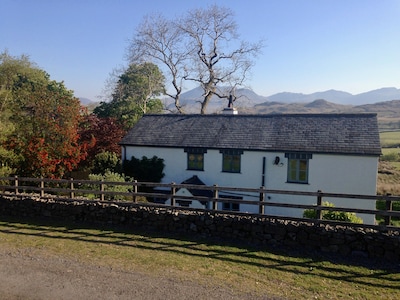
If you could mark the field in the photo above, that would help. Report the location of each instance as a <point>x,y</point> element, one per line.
<point>243,271</point>
<point>390,139</point>
<point>389,165</point>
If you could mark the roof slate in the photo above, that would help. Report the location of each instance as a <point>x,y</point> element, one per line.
<point>317,133</point>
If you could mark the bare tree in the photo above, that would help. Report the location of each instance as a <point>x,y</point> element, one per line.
<point>219,57</point>
<point>161,41</point>
<point>203,47</point>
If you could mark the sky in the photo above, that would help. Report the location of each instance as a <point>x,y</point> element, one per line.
<point>310,45</point>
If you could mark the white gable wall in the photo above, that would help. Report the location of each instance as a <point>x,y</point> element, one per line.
<point>328,173</point>
<point>186,193</point>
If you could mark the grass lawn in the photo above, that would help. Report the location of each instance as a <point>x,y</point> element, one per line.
<point>264,271</point>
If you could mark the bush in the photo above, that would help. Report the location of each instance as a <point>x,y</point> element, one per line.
<point>106,162</point>
<point>333,215</point>
<point>110,176</point>
<point>145,169</point>
<point>381,205</point>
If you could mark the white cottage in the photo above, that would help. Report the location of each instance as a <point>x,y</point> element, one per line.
<point>334,153</point>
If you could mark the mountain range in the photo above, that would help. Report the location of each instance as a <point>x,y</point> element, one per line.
<point>247,97</point>
<point>385,102</point>
<point>340,97</point>
<point>249,101</point>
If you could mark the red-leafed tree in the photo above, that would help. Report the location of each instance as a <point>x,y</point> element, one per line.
<point>46,117</point>
<point>101,135</point>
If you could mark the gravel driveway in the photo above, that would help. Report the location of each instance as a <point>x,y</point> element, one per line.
<point>26,274</point>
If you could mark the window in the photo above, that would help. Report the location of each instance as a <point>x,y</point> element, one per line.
<point>183,203</point>
<point>298,167</point>
<point>230,206</point>
<point>231,160</point>
<point>195,158</point>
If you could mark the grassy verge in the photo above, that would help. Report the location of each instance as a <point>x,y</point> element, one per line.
<point>262,272</point>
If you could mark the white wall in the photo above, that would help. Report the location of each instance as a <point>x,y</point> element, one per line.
<point>328,173</point>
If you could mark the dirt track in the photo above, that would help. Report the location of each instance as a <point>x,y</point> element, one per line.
<point>35,275</point>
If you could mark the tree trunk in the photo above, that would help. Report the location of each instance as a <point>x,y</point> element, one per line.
<point>205,102</point>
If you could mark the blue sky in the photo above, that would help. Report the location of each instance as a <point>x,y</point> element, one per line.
<point>310,45</point>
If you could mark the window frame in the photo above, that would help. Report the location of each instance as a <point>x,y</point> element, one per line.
<point>229,206</point>
<point>231,161</point>
<point>196,164</point>
<point>298,169</point>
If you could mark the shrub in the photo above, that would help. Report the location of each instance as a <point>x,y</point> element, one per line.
<point>145,169</point>
<point>110,176</point>
<point>106,162</point>
<point>332,215</point>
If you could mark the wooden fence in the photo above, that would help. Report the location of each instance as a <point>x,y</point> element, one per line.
<point>133,191</point>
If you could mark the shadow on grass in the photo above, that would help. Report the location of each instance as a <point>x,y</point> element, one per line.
<point>361,271</point>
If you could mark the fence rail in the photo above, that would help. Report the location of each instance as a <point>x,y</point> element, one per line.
<point>81,189</point>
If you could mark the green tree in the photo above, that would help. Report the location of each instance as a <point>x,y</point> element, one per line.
<point>7,157</point>
<point>135,93</point>
<point>9,68</point>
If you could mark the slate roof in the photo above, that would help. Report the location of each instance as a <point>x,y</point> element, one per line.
<point>316,133</point>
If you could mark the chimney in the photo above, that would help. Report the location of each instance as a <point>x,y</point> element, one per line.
<point>230,110</point>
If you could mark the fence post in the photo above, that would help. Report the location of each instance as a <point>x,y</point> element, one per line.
<point>215,197</point>
<point>71,187</point>
<point>135,190</point>
<point>262,199</point>
<point>16,184</point>
<point>319,203</point>
<point>41,187</point>
<point>102,190</point>
<point>173,191</point>
<point>389,207</point>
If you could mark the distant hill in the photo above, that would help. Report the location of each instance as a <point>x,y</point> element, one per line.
<point>383,94</point>
<point>85,101</point>
<point>331,95</point>
<point>248,99</point>
<point>191,100</point>
<point>388,111</point>
<point>316,106</point>
<point>340,97</point>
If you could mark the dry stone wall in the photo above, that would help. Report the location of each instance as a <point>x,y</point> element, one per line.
<point>260,230</point>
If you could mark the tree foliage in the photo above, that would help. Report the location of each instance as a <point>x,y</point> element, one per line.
<point>45,118</point>
<point>135,93</point>
<point>101,135</point>
<point>9,68</point>
<point>202,46</point>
